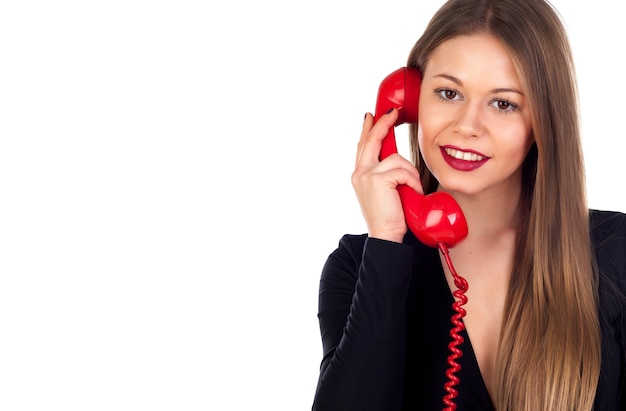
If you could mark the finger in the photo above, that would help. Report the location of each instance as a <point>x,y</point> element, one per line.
<point>370,148</point>
<point>368,122</point>
<point>395,163</point>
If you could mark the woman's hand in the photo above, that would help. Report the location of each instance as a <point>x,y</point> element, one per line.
<point>375,181</point>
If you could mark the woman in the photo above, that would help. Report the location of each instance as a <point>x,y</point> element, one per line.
<point>545,316</point>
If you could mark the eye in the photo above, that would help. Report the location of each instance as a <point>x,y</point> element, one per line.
<point>504,105</point>
<point>447,94</point>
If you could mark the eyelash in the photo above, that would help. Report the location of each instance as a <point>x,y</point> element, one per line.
<point>439,93</point>
<point>512,107</point>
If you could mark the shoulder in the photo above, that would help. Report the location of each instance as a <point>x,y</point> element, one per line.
<point>608,237</point>
<point>605,223</point>
<point>608,233</point>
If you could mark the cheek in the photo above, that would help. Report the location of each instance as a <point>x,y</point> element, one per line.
<point>430,123</point>
<point>518,144</point>
<point>426,143</point>
<point>425,138</point>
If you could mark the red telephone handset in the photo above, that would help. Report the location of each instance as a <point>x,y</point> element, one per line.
<point>435,219</point>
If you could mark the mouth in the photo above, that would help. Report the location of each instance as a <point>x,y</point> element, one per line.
<point>462,160</point>
<point>463,155</point>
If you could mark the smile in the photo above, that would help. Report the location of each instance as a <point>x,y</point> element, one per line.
<point>463,155</point>
<point>463,160</point>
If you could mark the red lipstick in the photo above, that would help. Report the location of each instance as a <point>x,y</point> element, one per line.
<point>463,165</point>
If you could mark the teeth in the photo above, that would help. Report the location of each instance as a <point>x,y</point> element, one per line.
<point>463,155</point>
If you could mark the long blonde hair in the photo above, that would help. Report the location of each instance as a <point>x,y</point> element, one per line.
<point>549,350</point>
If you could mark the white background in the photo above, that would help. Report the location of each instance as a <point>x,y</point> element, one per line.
<point>173,176</point>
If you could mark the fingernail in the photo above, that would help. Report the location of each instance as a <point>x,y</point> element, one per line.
<point>389,111</point>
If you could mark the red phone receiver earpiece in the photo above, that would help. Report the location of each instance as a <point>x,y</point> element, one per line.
<point>435,218</point>
<point>399,90</point>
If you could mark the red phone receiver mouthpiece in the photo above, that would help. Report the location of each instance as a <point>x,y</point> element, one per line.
<point>435,218</point>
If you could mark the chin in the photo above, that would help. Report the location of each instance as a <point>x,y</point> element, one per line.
<point>456,186</point>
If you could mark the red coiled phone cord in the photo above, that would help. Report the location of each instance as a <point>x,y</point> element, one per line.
<point>459,326</point>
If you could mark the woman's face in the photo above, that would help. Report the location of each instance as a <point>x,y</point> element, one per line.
<point>474,120</point>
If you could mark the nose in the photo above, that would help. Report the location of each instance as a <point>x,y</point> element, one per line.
<point>469,122</point>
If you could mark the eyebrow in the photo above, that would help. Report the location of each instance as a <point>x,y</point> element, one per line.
<point>495,90</point>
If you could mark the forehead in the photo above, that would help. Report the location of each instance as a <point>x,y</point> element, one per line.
<point>473,55</point>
